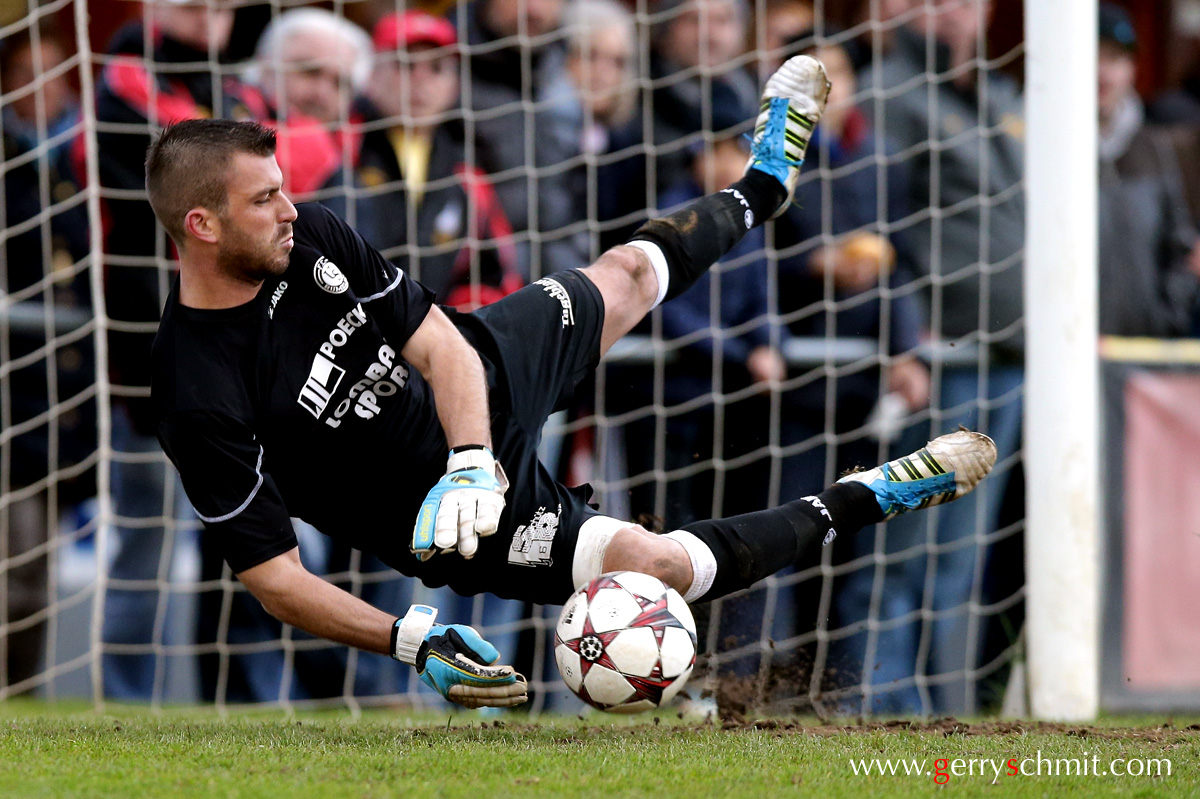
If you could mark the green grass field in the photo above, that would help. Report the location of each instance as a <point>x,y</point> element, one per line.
<point>46,751</point>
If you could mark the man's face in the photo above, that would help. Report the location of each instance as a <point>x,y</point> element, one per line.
<point>256,223</point>
<point>708,33</point>
<point>313,75</point>
<point>22,71</point>
<point>1117,73</point>
<point>199,26</point>
<point>420,88</point>
<point>720,166</point>
<point>840,71</point>
<point>503,17</point>
<point>957,23</point>
<point>600,69</point>
<point>785,22</point>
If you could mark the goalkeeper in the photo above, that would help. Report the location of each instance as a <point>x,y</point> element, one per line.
<point>299,373</point>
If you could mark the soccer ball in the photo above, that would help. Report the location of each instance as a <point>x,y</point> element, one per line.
<point>625,642</point>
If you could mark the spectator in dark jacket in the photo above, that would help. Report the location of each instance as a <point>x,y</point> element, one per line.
<point>1147,283</point>
<point>960,129</point>
<point>415,198</point>
<point>785,23</point>
<point>699,76</point>
<point>518,53</point>
<point>833,251</point>
<point>599,90</point>
<point>719,344</point>
<point>841,274</point>
<point>45,386</point>
<point>719,334</point>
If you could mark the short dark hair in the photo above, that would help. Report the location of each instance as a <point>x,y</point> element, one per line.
<point>187,166</point>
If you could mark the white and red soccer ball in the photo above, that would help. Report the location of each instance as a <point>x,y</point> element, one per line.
<point>625,642</point>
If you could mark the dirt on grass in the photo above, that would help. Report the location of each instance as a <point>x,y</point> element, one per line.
<point>1163,733</point>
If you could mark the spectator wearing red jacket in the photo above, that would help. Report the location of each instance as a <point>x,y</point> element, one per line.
<point>415,195</point>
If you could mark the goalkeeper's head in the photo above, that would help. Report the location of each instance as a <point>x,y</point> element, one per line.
<point>216,188</point>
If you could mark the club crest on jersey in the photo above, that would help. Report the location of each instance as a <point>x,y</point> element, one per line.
<point>329,277</point>
<point>532,542</point>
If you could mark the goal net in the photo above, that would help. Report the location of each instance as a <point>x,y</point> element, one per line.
<point>526,137</point>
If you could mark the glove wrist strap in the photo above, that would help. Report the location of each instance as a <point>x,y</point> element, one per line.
<point>409,633</point>
<point>471,457</point>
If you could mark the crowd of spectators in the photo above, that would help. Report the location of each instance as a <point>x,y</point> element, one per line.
<point>482,146</point>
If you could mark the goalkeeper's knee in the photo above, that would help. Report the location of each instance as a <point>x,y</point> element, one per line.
<point>683,245</point>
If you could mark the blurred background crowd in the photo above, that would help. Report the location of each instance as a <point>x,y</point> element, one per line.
<point>485,144</point>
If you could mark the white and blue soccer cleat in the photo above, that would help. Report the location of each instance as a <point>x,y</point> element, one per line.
<point>947,468</point>
<point>792,104</point>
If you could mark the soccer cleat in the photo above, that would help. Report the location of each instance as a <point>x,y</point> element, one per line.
<point>792,104</point>
<point>947,468</point>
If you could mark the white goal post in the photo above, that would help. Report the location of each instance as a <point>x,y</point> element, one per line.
<point>1062,539</point>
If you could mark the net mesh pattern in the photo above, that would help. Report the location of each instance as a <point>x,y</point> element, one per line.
<point>806,352</point>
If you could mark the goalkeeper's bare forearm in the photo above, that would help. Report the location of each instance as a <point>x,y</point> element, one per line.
<point>453,659</point>
<point>296,596</point>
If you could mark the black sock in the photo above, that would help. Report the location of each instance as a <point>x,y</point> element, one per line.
<point>696,237</point>
<point>752,546</point>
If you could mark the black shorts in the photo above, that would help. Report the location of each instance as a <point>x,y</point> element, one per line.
<point>538,344</point>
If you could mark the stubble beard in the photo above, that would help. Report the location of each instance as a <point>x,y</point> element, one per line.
<point>248,262</point>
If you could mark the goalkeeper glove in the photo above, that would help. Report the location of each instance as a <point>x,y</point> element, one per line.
<point>455,661</point>
<point>464,505</point>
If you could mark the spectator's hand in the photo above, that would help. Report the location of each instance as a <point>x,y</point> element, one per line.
<point>455,661</point>
<point>464,505</point>
<point>766,365</point>
<point>909,378</point>
<point>857,264</point>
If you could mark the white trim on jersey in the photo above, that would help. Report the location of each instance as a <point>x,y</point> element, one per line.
<point>249,499</point>
<point>396,282</point>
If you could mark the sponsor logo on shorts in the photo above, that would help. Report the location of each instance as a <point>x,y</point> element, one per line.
<point>532,542</point>
<point>558,292</point>
<point>329,277</point>
<point>323,380</point>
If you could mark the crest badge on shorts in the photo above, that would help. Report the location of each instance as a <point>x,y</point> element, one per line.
<point>532,542</point>
<point>329,277</point>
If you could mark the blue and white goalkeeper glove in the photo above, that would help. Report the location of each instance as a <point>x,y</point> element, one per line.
<point>464,505</point>
<point>455,661</point>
